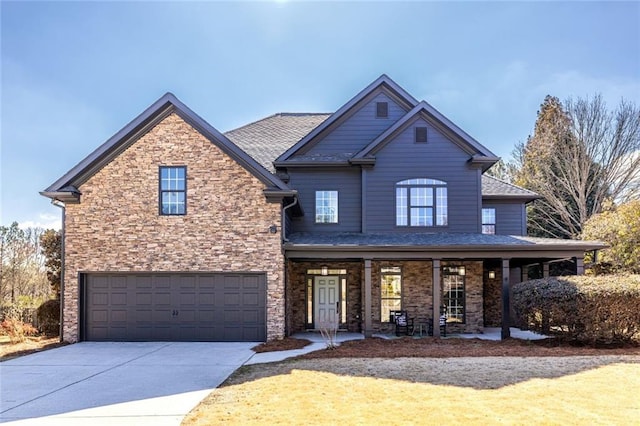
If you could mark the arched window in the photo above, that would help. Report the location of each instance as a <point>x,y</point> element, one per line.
<point>421,202</point>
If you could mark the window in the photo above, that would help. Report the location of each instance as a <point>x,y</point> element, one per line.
<point>453,296</point>
<point>326,206</point>
<point>382,110</point>
<point>421,134</point>
<point>390,292</point>
<point>489,221</point>
<point>173,190</point>
<point>421,202</point>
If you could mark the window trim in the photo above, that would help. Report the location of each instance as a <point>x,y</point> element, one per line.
<point>315,216</point>
<point>162,191</point>
<point>439,204</point>
<point>383,273</point>
<point>488,223</point>
<point>461,272</point>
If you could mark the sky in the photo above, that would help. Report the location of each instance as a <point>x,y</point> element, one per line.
<point>74,73</point>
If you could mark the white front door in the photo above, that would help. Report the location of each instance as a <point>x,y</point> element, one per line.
<point>326,298</point>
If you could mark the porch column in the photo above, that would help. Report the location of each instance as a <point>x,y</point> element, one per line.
<point>579,261</point>
<point>436,297</point>
<point>545,269</point>
<point>367,298</point>
<point>506,304</point>
<point>524,276</point>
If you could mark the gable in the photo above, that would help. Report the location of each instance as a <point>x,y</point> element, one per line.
<point>358,128</point>
<point>66,188</point>
<point>400,96</point>
<point>438,126</point>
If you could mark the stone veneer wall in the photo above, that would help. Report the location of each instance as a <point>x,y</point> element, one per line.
<point>296,293</point>
<point>116,227</point>
<point>474,318</point>
<point>493,299</point>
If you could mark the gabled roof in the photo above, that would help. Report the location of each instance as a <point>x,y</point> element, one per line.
<point>381,82</point>
<point>269,137</point>
<point>466,142</point>
<point>167,104</point>
<point>495,189</point>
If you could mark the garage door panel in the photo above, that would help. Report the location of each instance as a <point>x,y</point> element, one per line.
<point>175,307</point>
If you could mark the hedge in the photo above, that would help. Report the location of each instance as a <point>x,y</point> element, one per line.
<point>589,309</point>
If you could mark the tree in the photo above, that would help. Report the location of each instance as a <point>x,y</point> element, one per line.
<point>580,156</point>
<point>51,246</point>
<point>620,228</point>
<point>501,170</point>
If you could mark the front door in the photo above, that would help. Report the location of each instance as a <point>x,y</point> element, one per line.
<point>326,299</point>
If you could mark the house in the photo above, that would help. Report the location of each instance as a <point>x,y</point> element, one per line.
<point>175,231</point>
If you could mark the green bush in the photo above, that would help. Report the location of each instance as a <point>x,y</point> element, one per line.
<point>49,317</point>
<point>589,309</point>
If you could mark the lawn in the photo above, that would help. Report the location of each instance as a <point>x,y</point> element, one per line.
<point>483,390</point>
<point>30,345</point>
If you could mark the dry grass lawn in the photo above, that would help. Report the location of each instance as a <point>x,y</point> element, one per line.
<point>488,390</point>
<point>31,344</point>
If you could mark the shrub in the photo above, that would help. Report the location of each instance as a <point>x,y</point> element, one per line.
<point>590,309</point>
<point>49,317</point>
<point>14,327</point>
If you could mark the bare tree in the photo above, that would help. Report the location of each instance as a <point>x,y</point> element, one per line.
<point>580,157</point>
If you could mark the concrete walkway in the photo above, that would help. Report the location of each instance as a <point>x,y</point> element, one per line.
<point>107,383</point>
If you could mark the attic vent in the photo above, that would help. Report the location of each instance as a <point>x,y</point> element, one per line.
<point>421,134</point>
<point>382,109</point>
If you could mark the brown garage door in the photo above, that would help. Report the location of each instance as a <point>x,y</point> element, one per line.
<point>174,307</point>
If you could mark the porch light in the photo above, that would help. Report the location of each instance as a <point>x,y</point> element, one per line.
<point>461,271</point>
<point>324,270</point>
<point>492,274</point>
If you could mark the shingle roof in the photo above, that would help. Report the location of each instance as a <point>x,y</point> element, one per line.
<point>269,137</point>
<point>348,240</point>
<point>492,187</point>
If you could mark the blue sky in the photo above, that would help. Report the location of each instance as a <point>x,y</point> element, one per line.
<point>74,73</point>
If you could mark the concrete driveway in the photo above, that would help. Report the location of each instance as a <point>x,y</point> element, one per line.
<point>115,383</point>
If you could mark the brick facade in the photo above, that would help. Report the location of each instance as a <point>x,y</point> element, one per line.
<point>116,227</point>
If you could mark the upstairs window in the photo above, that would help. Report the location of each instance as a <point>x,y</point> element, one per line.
<point>326,206</point>
<point>421,202</point>
<point>173,190</point>
<point>382,110</point>
<point>489,221</point>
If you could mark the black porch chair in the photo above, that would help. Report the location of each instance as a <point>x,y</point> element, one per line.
<point>404,324</point>
<point>443,325</point>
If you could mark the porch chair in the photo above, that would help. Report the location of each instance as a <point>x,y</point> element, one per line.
<point>443,326</point>
<point>404,324</point>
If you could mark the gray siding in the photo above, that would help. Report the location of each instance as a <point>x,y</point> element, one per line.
<point>344,180</point>
<point>360,129</point>
<point>440,159</point>
<point>510,217</point>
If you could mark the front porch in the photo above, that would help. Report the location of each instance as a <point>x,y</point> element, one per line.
<point>358,279</point>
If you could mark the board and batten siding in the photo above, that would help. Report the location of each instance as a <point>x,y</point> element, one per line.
<point>439,158</point>
<point>344,180</point>
<point>360,129</point>
<point>511,217</point>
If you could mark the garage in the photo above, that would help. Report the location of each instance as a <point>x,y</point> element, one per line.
<point>207,307</point>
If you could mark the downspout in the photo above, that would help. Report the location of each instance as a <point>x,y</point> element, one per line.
<point>60,204</point>
<point>284,218</point>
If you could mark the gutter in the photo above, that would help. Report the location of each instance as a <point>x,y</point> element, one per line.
<point>60,204</point>
<point>284,218</point>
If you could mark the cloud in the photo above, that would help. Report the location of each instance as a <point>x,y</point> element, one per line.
<point>44,221</point>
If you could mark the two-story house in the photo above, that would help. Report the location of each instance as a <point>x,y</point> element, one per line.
<point>174,231</point>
